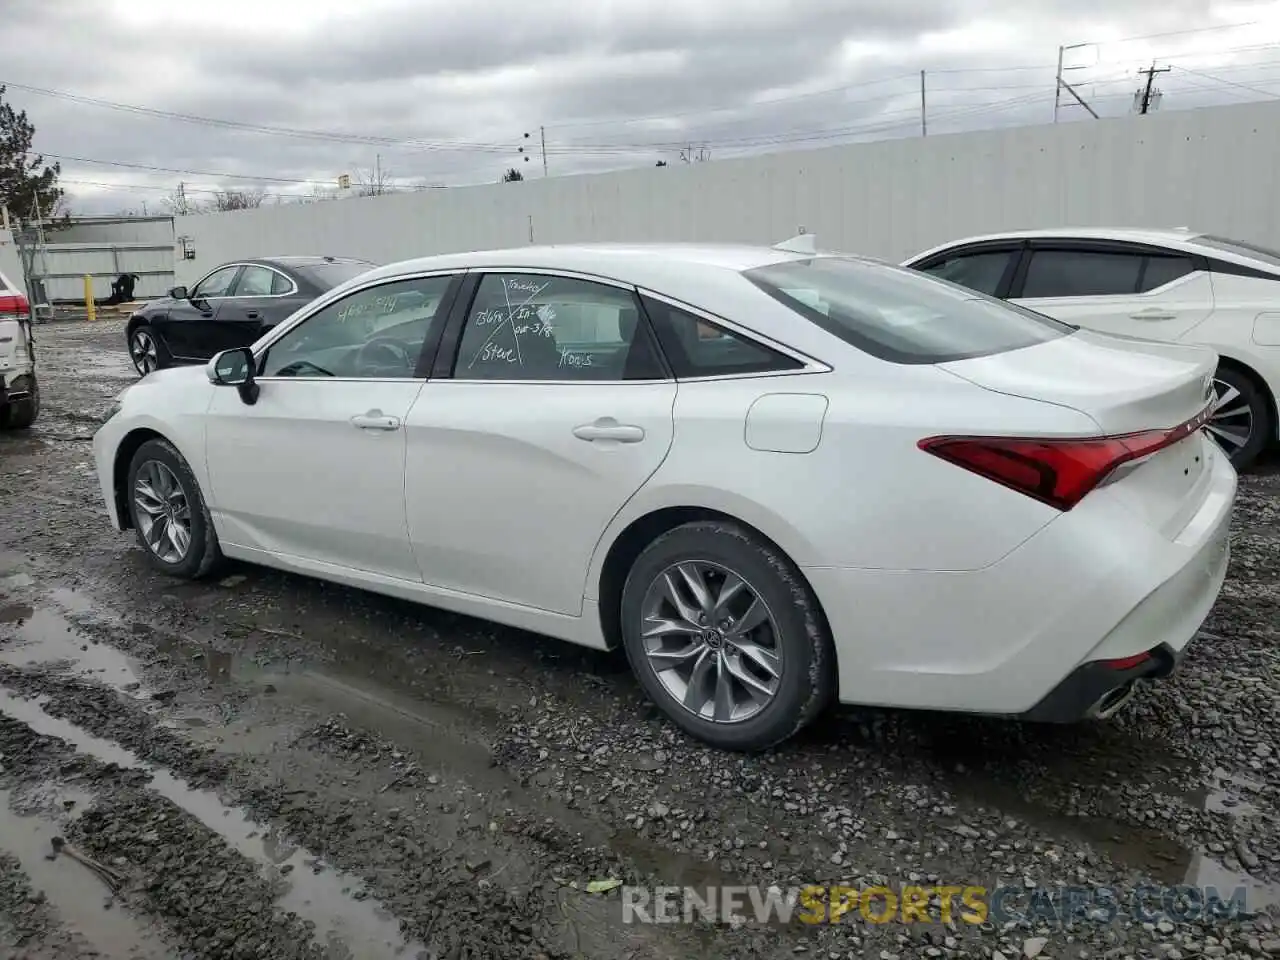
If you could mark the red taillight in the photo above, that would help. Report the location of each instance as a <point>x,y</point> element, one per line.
<point>14,306</point>
<point>1057,472</point>
<point>1126,663</point>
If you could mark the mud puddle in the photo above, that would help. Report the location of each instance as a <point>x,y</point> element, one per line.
<point>326,897</point>
<point>83,902</point>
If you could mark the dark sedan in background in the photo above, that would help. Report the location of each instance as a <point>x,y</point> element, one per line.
<point>232,306</point>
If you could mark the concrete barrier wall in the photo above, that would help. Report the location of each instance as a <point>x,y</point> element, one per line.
<point>1210,169</point>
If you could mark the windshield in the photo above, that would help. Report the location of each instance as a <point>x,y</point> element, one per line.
<point>902,315</point>
<point>328,275</point>
<point>1270,257</point>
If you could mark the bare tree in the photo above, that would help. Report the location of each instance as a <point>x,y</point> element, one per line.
<point>373,182</point>
<point>512,175</point>
<point>238,199</point>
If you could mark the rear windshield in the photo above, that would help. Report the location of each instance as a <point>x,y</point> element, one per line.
<point>328,275</point>
<point>1263,255</point>
<point>902,315</point>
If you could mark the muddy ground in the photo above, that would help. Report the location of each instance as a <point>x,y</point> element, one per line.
<point>269,766</point>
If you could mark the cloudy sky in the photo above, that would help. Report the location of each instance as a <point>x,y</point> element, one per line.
<point>285,95</point>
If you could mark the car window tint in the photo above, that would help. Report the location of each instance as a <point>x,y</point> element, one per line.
<point>377,332</point>
<point>1081,273</point>
<point>695,347</point>
<point>280,284</point>
<point>1161,270</point>
<point>901,315</point>
<point>537,327</point>
<point>216,284</point>
<point>254,282</point>
<point>977,271</point>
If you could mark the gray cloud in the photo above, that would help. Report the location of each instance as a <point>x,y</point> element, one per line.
<point>445,91</point>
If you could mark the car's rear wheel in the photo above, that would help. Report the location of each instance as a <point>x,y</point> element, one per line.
<point>1241,420</point>
<point>169,513</point>
<point>21,413</point>
<point>726,637</point>
<point>145,350</point>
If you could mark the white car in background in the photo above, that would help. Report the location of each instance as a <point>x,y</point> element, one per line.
<point>1171,285</point>
<point>775,478</point>
<point>19,391</point>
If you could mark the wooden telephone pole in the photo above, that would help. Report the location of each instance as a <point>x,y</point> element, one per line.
<point>1145,103</point>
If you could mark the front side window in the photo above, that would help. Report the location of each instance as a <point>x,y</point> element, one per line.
<point>901,315</point>
<point>216,284</point>
<point>524,326</point>
<point>374,333</point>
<point>254,282</point>
<point>1081,273</point>
<point>978,271</point>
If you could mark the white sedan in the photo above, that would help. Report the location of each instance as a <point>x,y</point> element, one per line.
<point>775,478</point>
<point>1170,285</point>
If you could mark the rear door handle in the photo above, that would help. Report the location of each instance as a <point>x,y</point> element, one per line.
<point>607,428</point>
<point>253,314</point>
<point>375,420</point>
<point>1153,313</point>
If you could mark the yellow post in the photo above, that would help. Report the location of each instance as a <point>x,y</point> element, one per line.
<point>90,307</point>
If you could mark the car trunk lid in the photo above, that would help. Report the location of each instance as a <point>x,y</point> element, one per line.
<point>1154,395</point>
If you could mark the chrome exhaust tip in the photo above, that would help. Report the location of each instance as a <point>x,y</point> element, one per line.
<point>1113,700</point>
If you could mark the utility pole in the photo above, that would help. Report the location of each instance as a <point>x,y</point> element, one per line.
<point>543,132</point>
<point>924,126</point>
<point>377,174</point>
<point>1151,71</point>
<point>1057,86</point>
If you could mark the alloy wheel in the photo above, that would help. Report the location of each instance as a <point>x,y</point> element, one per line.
<point>1231,423</point>
<point>712,641</point>
<point>164,511</point>
<point>142,348</point>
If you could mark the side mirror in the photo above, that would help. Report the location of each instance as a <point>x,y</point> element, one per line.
<point>235,368</point>
<point>178,293</point>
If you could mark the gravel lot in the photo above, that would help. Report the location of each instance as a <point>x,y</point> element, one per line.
<point>273,767</point>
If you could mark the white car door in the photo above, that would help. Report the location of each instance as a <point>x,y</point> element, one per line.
<point>1133,292</point>
<point>557,412</point>
<point>314,469</point>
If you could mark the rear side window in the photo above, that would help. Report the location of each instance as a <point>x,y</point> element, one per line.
<point>1081,273</point>
<point>901,315</point>
<point>1161,270</point>
<point>698,348</point>
<point>977,271</point>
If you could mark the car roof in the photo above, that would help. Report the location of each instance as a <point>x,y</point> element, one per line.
<point>1183,239</point>
<point>643,264</point>
<point>299,261</point>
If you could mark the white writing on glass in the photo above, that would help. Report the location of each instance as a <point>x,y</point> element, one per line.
<point>512,318</point>
<point>568,358</point>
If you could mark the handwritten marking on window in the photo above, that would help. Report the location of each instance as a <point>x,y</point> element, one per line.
<point>512,317</point>
<point>570,358</point>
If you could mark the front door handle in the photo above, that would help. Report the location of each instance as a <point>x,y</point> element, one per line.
<point>1153,313</point>
<point>375,420</point>
<point>253,314</point>
<point>607,428</point>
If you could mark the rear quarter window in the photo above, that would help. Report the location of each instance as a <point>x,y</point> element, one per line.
<point>902,315</point>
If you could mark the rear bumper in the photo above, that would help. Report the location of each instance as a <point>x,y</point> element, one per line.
<point>1097,689</point>
<point>1019,636</point>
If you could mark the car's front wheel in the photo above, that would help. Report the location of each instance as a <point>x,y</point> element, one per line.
<point>1241,419</point>
<point>145,350</point>
<point>726,637</point>
<point>169,513</point>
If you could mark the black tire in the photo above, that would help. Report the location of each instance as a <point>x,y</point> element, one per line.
<point>807,679</point>
<point>1260,424</point>
<point>203,554</point>
<point>143,332</point>
<point>21,414</point>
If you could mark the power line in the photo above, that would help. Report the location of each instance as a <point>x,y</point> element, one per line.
<point>257,178</point>
<point>1228,83</point>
